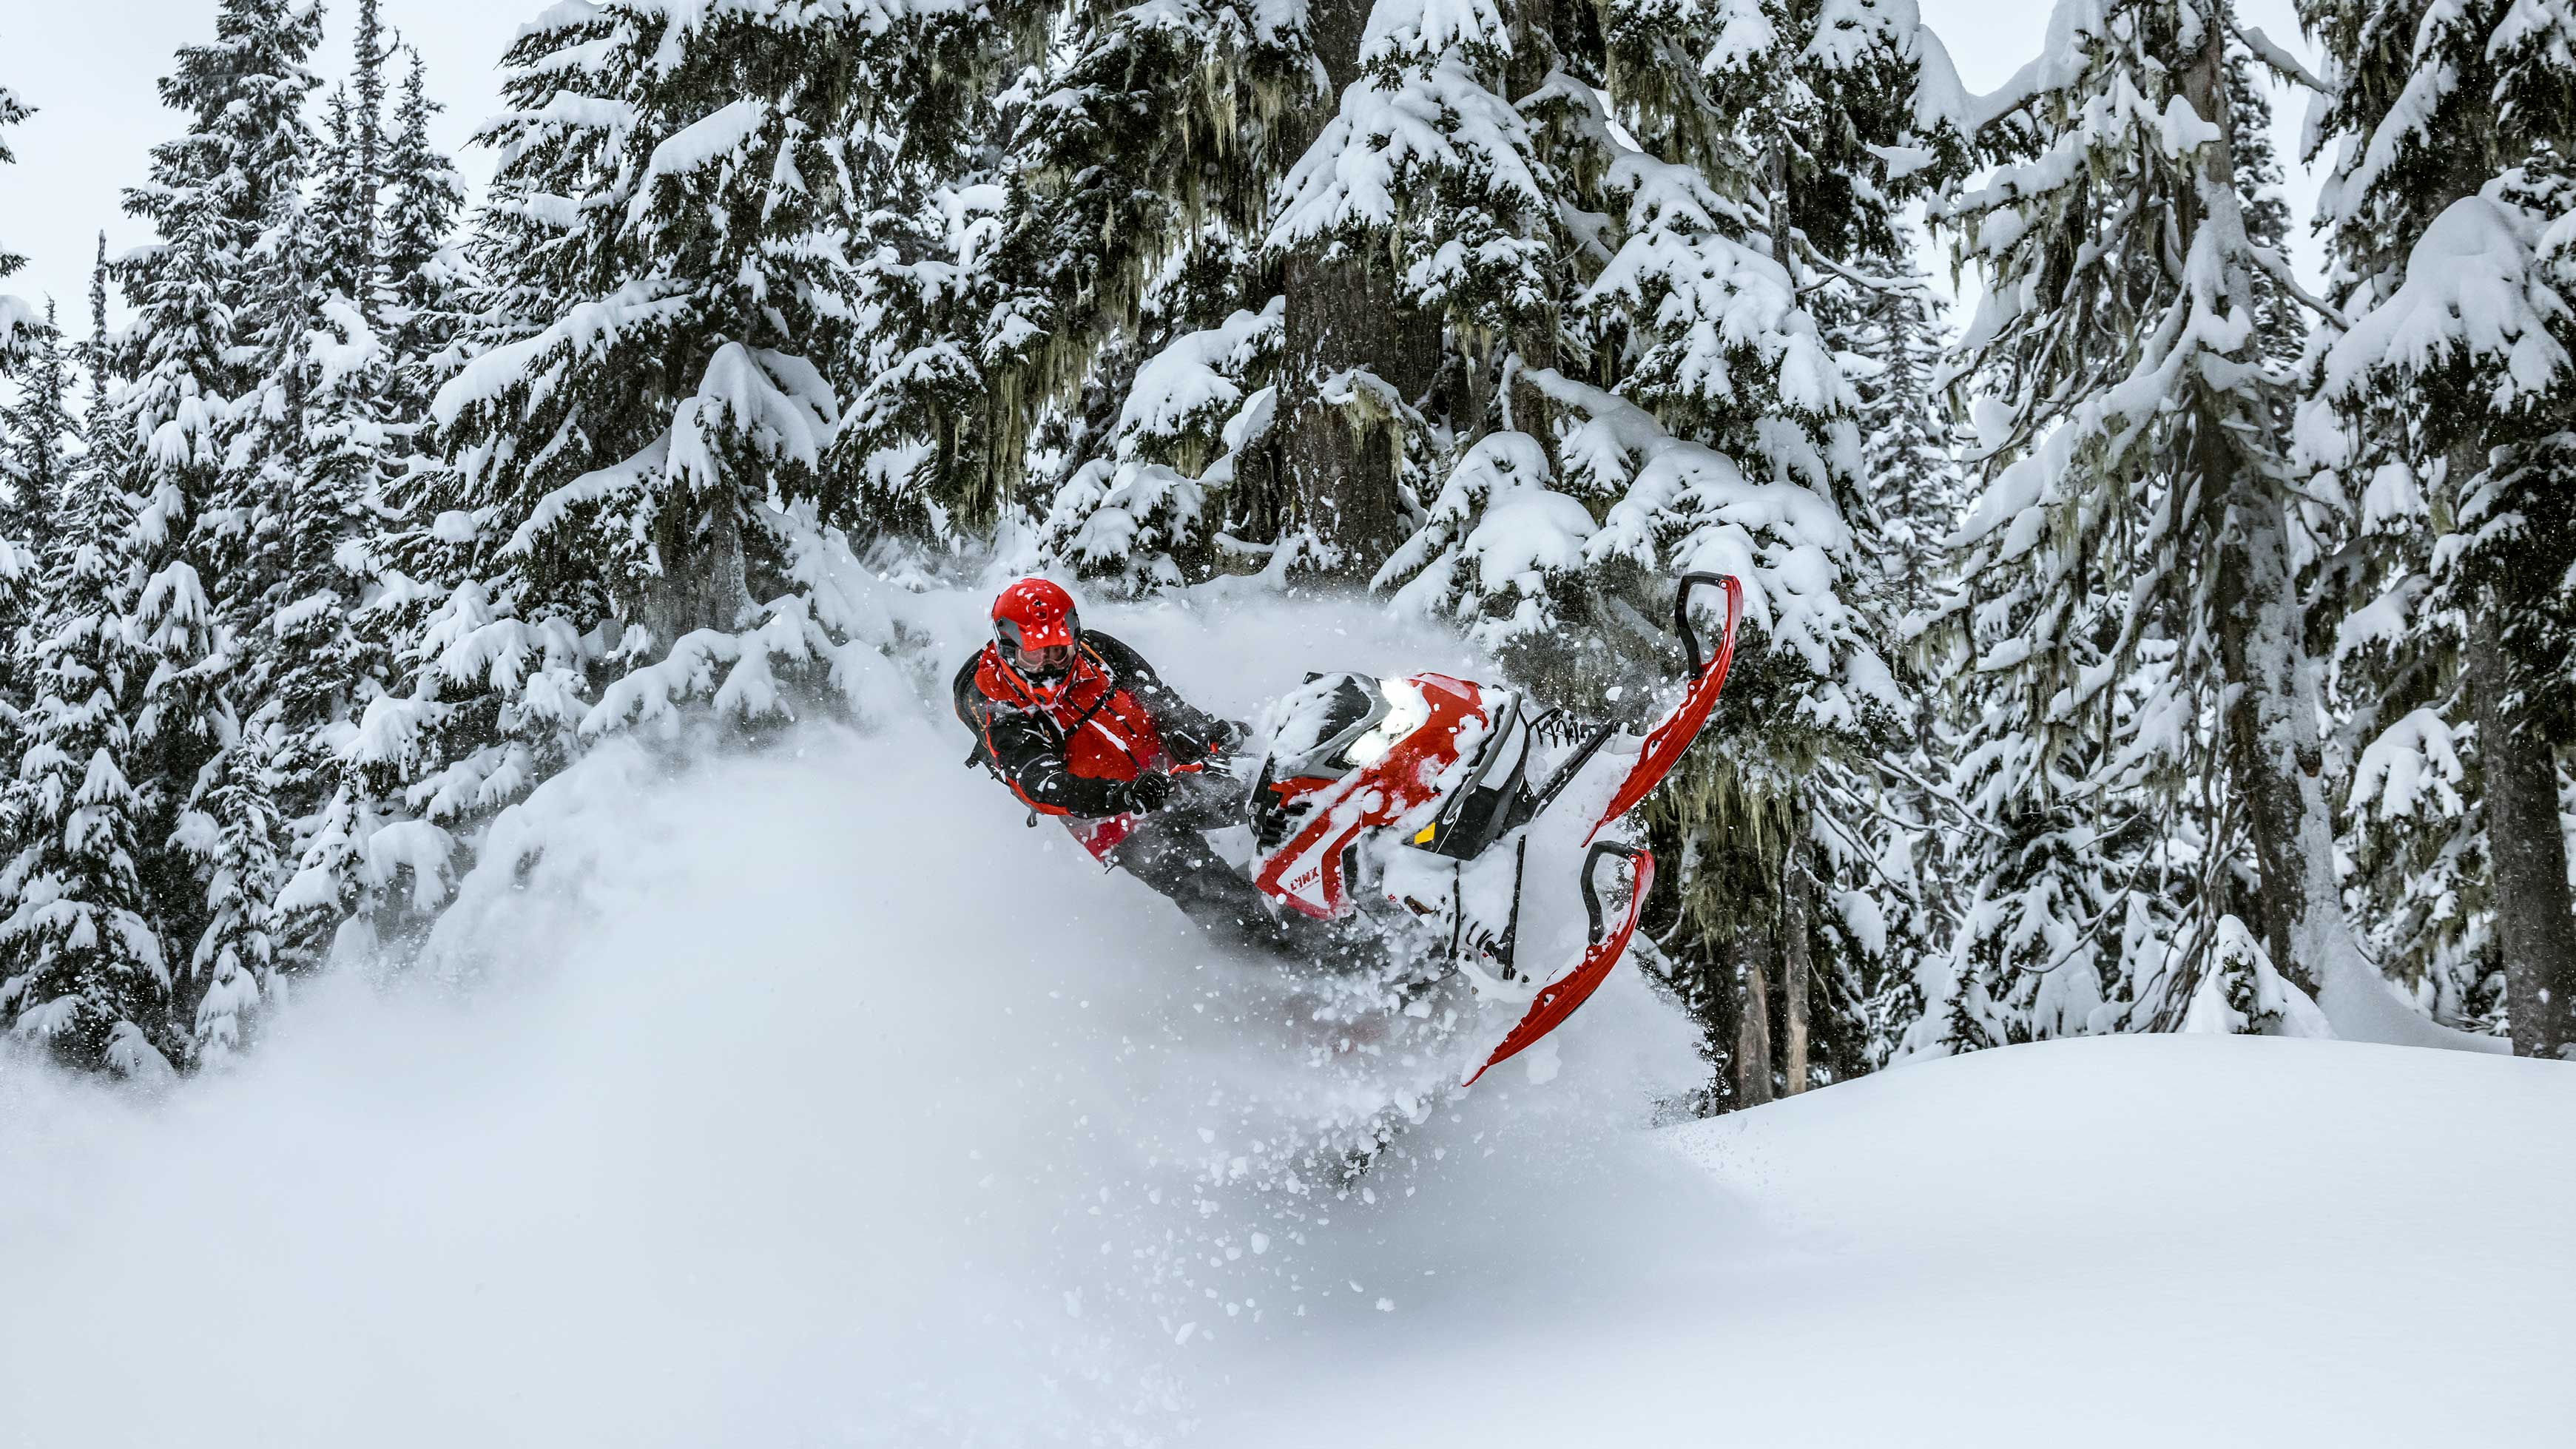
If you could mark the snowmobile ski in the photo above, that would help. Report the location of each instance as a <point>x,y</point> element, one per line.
<point>1558,999</point>
<point>1675,731</point>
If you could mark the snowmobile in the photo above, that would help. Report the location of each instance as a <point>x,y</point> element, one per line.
<point>1410,800</point>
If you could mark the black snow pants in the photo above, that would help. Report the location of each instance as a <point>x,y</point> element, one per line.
<point>1168,850</point>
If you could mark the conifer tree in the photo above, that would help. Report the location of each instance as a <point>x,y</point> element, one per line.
<point>343,212</point>
<point>81,966</point>
<point>190,421</point>
<point>308,455</point>
<point>934,434</point>
<point>17,319</point>
<point>1421,207</point>
<point>39,442</point>
<point>232,830</point>
<point>1123,234</point>
<point>2451,125</point>
<point>367,139</point>
<point>224,829</point>
<point>97,357</point>
<point>1703,301</point>
<point>638,442</point>
<point>37,438</point>
<point>2130,565</point>
<point>423,271</point>
<point>1887,330</point>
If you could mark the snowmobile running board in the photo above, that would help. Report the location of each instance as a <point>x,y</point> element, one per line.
<point>1561,996</point>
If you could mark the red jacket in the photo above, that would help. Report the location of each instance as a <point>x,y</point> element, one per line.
<point>1105,728</point>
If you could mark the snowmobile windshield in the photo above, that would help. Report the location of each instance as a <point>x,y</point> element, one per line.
<point>1319,721</point>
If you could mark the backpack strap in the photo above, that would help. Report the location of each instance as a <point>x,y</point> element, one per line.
<point>966,699</point>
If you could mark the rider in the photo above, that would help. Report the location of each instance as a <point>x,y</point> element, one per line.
<point>1078,725</point>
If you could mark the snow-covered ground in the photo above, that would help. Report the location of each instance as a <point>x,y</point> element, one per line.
<point>810,1099</point>
<point>2153,1241</point>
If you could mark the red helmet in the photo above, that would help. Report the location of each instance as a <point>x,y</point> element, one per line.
<point>1035,630</point>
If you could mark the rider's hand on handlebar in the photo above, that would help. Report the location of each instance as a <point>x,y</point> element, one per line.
<point>1189,744</point>
<point>1145,794</point>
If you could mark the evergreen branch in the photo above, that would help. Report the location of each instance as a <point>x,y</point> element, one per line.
<point>1937,793</point>
<point>1884,286</point>
<point>2280,62</point>
<point>2279,271</point>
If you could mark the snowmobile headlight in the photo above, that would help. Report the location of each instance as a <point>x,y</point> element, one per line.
<point>1406,712</point>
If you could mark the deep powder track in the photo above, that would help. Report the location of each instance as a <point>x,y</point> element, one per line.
<point>756,1114</point>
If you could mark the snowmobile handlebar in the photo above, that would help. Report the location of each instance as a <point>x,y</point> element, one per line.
<point>1592,897</point>
<point>1681,612</point>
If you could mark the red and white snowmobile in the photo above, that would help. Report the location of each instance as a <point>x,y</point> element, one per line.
<point>1415,795</point>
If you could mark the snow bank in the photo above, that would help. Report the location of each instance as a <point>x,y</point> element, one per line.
<point>2110,1241</point>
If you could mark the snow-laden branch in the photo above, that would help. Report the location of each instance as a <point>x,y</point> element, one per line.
<point>2279,61</point>
<point>2473,293</point>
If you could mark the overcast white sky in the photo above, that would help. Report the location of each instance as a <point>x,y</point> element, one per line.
<point>89,66</point>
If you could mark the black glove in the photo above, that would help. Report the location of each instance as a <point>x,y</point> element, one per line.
<point>1188,744</point>
<point>1143,795</point>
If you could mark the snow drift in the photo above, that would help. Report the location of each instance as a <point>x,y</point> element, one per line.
<point>809,1098</point>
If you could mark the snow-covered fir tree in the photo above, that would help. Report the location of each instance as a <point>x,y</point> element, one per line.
<point>97,356</point>
<point>1889,337</point>
<point>1127,237</point>
<point>309,453</point>
<point>424,267</point>
<point>1711,300</point>
<point>17,320</point>
<point>39,443</point>
<point>922,453</point>
<point>316,668</point>
<point>2128,589</point>
<point>82,969</point>
<point>2440,422</point>
<point>1422,220</point>
<point>367,131</point>
<point>636,452</point>
<point>190,354</point>
<point>341,232</point>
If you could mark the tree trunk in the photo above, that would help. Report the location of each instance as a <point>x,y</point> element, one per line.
<point>2535,922</point>
<point>2274,754</point>
<point>2253,637</point>
<point>1795,967</point>
<point>1753,1015</point>
<point>1527,409</point>
<point>1339,456</point>
<point>701,585</point>
<point>1339,451</point>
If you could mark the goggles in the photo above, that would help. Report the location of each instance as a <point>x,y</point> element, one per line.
<point>1046,663</point>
